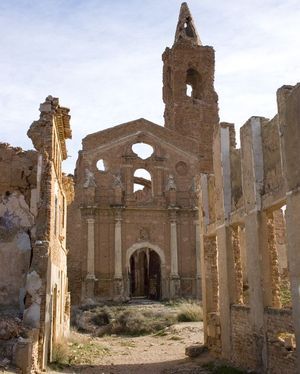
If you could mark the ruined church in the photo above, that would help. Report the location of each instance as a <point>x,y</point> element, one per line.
<point>145,243</point>
<point>191,215</point>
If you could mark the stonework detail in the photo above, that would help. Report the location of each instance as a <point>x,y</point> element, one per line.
<point>33,205</point>
<point>159,206</point>
<point>256,240</point>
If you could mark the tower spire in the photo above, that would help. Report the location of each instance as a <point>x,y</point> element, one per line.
<point>186,29</point>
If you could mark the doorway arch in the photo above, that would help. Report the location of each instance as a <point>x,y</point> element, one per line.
<point>145,267</point>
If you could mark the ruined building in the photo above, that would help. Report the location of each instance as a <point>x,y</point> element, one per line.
<point>250,241</point>
<point>193,217</point>
<point>128,242</point>
<point>34,297</point>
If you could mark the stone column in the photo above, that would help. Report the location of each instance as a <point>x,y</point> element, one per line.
<point>198,260</point>
<point>90,277</point>
<point>118,276</point>
<point>257,256</point>
<point>222,170</point>
<point>174,276</point>
<point>288,99</point>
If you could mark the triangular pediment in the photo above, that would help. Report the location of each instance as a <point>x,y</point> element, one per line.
<point>141,130</point>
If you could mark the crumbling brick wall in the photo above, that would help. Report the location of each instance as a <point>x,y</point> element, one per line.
<point>253,236</point>
<point>33,282</point>
<point>18,209</point>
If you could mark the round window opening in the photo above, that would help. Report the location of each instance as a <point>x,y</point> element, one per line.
<point>142,150</point>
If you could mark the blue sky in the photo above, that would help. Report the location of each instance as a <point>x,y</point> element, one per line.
<point>103,59</point>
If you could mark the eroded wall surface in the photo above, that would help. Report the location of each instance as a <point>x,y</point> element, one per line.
<point>251,220</point>
<point>34,193</point>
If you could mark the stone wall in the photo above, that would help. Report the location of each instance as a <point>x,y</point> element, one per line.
<point>33,279</point>
<point>243,341</point>
<point>18,210</point>
<point>256,240</point>
<point>280,335</point>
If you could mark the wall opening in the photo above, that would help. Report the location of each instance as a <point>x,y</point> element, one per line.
<point>142,185</point>
<point>279,270</point>
<point>194,87</point>
<point>241,286</point>
<point>142,150</point>
<point>101,165</point>
<point>189,90</point>
<point>145,274</point>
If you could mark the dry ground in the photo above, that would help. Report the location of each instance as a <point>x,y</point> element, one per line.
<point>163,352</point>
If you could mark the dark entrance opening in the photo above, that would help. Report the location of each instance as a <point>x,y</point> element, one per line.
<point>145,274</point>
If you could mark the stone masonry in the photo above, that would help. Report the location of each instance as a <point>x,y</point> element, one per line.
<point>191,215</point>
<point>252,220</point>
<point>126,243</point>
<point>34,298</point>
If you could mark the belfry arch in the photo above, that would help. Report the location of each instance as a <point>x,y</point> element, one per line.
<point>145,267</point>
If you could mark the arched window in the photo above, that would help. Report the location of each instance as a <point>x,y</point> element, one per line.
<point>193,84</point>
<point>142,185</point>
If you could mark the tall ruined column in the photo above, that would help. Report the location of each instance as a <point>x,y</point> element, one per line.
<point>257,254</point>
<point>222,169</point>
<point>174,276</point>
<point>118,276</point>
<point>288,99</point>
<point>90,276</point>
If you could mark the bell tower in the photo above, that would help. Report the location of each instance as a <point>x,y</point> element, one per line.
<point>191,103</point>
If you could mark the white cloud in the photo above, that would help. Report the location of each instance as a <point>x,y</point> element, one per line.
<point>103,59</point>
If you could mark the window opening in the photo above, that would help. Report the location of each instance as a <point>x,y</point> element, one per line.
<point>193,84</point>
<point>101,165</point>
<point>142,150</point>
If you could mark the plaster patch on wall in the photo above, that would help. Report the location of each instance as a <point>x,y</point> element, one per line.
<point>23,241</point>
<point>14,213</point>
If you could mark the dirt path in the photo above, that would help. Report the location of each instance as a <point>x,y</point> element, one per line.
<point>161,353</point>
<point>147,354</point>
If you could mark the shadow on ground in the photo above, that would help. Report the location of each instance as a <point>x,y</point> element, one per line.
<point>186,366</point>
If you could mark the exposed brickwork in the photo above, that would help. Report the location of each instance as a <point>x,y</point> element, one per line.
<point>108,219</point>
<point>280,336</point>
<point>244,350</point>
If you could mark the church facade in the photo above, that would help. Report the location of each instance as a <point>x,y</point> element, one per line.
<point>133,226</point>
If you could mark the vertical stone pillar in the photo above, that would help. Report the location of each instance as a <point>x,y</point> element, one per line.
<point>118,275</point>
<point>174,276</point>
<point>288,99</point>
<point>198,260</point>
<point>90,277</point>
<point>257,255</point>
<point>222,171</point>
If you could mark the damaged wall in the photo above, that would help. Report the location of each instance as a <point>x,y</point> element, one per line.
<point>33,205</point>
<point>18,187</point>
<point>254,257</point>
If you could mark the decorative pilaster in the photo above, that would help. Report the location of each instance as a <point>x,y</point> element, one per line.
<point>198,260</point>
<point>118,276</point>
<point>90,277</point>
<point>174,276</point>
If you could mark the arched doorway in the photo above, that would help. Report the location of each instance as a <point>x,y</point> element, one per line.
<point>145,274</point>
<point>152,268</point>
